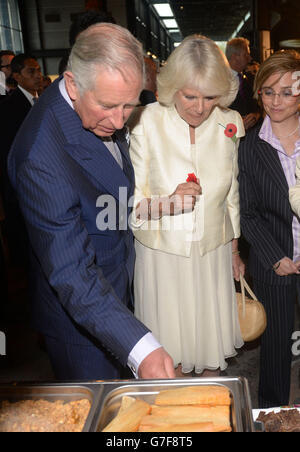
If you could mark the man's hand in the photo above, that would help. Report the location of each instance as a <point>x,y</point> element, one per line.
<point>157,364</point>
<point>250,120</point>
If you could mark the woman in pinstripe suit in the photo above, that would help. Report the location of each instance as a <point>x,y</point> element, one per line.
<point>267,160</point>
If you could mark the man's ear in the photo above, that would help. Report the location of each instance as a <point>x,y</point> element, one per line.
<point>71,86</point>
<point>16,76</point>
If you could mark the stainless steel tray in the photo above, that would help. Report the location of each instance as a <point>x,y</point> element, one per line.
<point>67,392</point>
<point>111,396</point>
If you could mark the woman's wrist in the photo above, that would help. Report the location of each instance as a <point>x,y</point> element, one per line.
<point>154,209</point>
<point>235,247</point>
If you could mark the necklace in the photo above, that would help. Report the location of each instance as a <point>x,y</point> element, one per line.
<point>287,136</point>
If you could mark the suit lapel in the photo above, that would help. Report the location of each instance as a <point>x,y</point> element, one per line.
<point>22,99</point>
<point>269,158</point>
<point>96,159</point>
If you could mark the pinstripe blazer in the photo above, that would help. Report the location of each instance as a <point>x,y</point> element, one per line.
<point>266,215</point>
<point>82,276</point>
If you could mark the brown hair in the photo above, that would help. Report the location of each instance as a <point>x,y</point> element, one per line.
<point>279,63</point>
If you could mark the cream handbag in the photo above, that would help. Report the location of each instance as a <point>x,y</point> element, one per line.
<point>252,314</point>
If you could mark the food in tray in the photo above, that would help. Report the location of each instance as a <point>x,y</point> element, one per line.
<point>188,409</point>
<point>191,395</point>
<point>282,421</point>
<point>129,419</point>
<point>43,416</point>
<point>201,427</point>
<point>219,416</point>
<point>126,402</point>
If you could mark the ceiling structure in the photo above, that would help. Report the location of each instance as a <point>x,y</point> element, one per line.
<point>216,19</point>
<point>221,20</point>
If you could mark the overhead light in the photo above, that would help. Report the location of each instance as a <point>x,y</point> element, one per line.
<point>221,45</point>
<point>163,9</point>
<point>242,23</point>
<point>175,30</point>
<point>170,23</point>
<point>290,43</point>
<point>176,44</point>
<point>248,15</point>
<point>240,26</point>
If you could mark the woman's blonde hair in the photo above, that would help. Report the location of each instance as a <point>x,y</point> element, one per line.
<point>197,63</point>
<point>279,63</point>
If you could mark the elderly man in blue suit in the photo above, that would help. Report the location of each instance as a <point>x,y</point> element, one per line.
<point>68,161</point>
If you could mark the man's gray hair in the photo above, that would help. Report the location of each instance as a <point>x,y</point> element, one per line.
<point>235,46</point>
<point>104,46</point>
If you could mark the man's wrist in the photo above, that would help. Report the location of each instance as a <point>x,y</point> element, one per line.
<point>146,345</point>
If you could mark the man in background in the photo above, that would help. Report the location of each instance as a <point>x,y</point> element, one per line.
<point>238,55</point>
<point>8,84</point>
<point>26,72</point>
<point>148,95</point>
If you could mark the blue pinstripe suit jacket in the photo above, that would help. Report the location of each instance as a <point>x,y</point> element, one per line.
<point>266,215</point>
<point>82,276</point>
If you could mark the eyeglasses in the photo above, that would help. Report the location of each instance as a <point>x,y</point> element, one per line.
<point>287,94</point>
<point>5,65</point>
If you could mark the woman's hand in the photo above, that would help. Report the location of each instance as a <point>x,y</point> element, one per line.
<point>238,267</point>
<point>183,199</point>
<point>286,267</point>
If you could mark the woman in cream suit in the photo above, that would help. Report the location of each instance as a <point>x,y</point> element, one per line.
<point>186,212</point>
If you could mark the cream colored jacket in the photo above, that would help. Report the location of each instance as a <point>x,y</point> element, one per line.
<point>163,157</point>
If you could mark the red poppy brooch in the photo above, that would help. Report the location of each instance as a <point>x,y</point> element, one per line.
<point>192,178</point>
<point>230,131</point>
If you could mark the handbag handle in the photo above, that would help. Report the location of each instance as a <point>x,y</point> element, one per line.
<point>244,285</point>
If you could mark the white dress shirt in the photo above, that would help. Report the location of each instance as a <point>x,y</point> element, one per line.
<point>2,84</point>
<point>147,343</point>
<point>29,96</point>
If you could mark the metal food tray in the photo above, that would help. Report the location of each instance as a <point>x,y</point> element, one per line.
<point>111,396</point>
<point>68,392</point>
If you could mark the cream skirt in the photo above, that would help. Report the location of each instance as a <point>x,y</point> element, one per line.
<point>189,304</point>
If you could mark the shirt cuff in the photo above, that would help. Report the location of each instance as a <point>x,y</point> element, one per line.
<point>143,348</point>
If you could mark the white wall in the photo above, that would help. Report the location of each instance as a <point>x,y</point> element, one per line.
<point>56,34</point>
